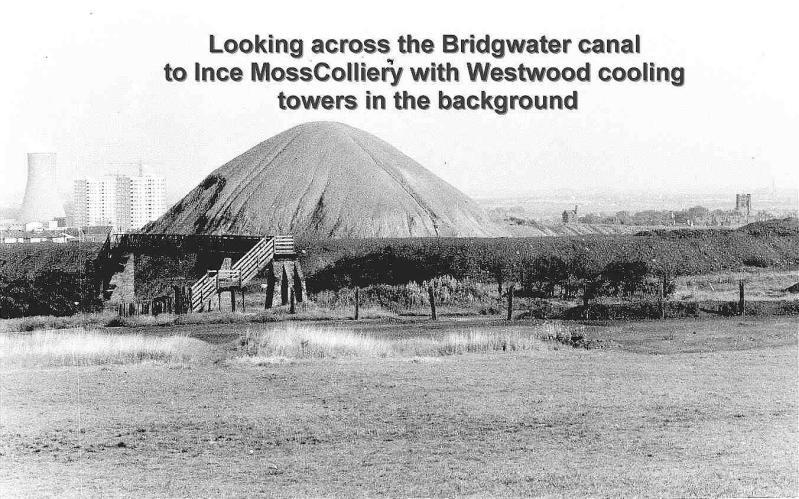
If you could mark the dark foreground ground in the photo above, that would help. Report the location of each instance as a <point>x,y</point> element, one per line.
<point>674,408</point>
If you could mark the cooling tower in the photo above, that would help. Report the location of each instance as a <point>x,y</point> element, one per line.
<point>41,201</point>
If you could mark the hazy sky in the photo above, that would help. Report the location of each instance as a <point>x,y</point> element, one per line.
<point>85,80</point>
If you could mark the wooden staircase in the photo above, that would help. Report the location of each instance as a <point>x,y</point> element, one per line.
<point>242,271</point>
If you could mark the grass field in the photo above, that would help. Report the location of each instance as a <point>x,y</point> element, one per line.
<point>667,408</point>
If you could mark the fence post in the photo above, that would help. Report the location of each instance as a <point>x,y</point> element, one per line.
<point>292,302</point>
<point>357,303</point>
<point>243,305</point>
<point>232,299</point>
<point>510,302</point>
<point>741,298</point>
<point>432,296</point>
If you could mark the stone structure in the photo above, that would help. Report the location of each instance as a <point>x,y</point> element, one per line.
<point>274,256</point>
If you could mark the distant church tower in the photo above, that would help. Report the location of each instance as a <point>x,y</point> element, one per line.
<point>743,204</point>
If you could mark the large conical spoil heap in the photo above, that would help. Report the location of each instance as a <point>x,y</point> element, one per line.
<point>325,180</point>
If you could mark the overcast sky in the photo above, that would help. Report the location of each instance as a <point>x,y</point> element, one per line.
<point>85,80</point>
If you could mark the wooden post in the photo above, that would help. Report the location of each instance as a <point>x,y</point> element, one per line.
<point>432,296</point>
<point>510,302</point>
<point>292,302</point>
<point>232,299</point>
<point>741,299</point>
<point>243,306</point>
<point>357,303</point>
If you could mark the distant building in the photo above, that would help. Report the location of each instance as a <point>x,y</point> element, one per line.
<point>743,204</point>
<point>570,216</point>
<point>147,199</point>
<point>34,227</point>
<point>43,236</point>
<point>123,202</point>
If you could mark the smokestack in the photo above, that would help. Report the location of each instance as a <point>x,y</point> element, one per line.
<point>41,201</point>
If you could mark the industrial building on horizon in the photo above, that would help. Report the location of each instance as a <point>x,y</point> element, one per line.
<point>125,202</point>
<point>41,202</point>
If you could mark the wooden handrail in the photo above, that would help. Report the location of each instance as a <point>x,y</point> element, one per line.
<point>244,269</point>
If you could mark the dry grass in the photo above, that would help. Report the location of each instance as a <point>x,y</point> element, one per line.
<point>761,285</point>
<point>304,311</point>
<point>45,322</point>
<point>81,348</point>
<point>571,423</point>
<point>294,341</point>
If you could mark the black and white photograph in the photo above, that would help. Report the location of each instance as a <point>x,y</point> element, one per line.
<point>407,249</point>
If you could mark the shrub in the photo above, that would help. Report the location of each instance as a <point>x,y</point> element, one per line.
<point>401,297</point>
<point>682,309</point>
<point>758,261</point>
<point>789,307</point>
<point>540,309</point>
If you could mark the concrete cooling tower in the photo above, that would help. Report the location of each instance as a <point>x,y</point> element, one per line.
<point>41,201</point>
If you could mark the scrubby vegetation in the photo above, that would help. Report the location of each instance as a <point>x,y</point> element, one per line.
<point>50,292</point>
<point>393,274</point>
<point>408,296</point>
<point>308,342</point>
<point>334,264</point>
<point>47,279</point>
<point>82,347</point>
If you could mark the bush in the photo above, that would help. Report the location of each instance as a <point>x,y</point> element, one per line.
<point>729,308</point>
<point>49,293</point>
<point>789,308</point>
<point>401,297</point>
<point>644,309</point>
<point>682,309</point>
<point>540,309</point>
<point>758,261</point>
